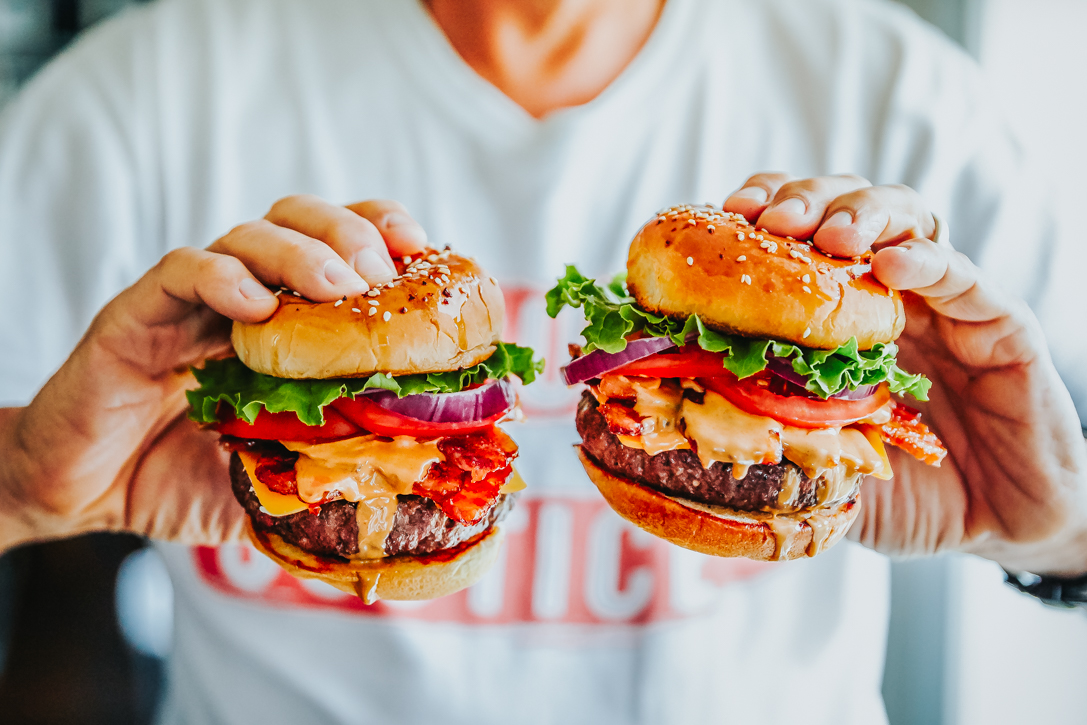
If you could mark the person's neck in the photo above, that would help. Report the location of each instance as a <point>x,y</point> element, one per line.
<point>547,54</point>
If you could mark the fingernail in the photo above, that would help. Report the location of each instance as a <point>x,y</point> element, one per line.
<point>792,205</point>
<point>841,219</point>
<point>254,290</point>
<point>405,226</point>
<point>755,193</point>
<point>339,274</point>
<point>372,267</point>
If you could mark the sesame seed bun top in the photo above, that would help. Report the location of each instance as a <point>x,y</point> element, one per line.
<point>442,312</point>
<point>699,260</point>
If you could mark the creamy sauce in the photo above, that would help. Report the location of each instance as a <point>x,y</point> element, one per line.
<point>786,528</point>
<point>790,490</point>
<point>366,587</point>
<point>368,471</point>
<point>722,432</point>
<point>727,434</point>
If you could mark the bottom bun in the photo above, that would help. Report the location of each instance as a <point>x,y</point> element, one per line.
<point>396,577</point>
<point>722,531</point>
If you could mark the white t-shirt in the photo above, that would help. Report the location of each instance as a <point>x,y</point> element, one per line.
<point>181,119</point>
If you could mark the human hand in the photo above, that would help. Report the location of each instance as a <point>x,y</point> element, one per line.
<point>105,445</point>
<point>1013,487</point>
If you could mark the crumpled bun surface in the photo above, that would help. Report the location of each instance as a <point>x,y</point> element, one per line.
<point>442,312</point>
<point>699,260</point>
<point>397,578</point>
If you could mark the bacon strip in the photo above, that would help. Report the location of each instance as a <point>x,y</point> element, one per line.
<point>465,485</point>
<point>906,431</point>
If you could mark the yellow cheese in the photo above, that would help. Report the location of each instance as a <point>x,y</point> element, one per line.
<point>871,433</point>
<point>274,504</point>
<point>514,484</point>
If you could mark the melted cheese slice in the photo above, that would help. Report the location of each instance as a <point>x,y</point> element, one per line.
<point>274,504</point>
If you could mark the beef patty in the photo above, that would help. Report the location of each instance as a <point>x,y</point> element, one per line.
<point>419,527</point>
<point>680,473</point>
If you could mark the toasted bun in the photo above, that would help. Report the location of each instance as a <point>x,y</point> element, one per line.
<point>397,578</point>
<point>442,313</point>
<point>692,260</point>
<point>718,530</point>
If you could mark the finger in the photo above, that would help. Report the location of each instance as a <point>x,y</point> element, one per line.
<point>197,277</point>
<point>284,257</point>
<point>402,234</point>
<point>355,239</point>
<point>948,280</point>
<point>877,215</point>
<point>754,196</point>
<point>798,207</point>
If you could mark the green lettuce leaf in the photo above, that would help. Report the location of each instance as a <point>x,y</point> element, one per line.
<point>612,315</point>
<point>231,382</point>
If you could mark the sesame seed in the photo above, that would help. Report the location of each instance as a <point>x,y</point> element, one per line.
<point>279,292</point>
<point>746,279</point>
<point>807,289</point>
<point>806,278</point>
<point>741,236</point>
<point>690,261</point>
<point>387,316</point>
<point>355,309</point>
<point>805,260</point>
<point>773,247</point>
<point>741,258</point>
<point>373,293</point>
<point>692,222</point>
<point>710,228</point>
<point>794,254</point>
<point>373,311</point>
<point>295,294</point>
<point>765,245</point>
<point>407,260</point>
<point>759,237</point>
<point>373,303</point>
<point>338,303</point>
<point>807,332</point>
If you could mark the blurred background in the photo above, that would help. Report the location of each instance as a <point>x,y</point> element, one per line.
<point>85,624</point>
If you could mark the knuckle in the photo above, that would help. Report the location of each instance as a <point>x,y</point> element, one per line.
<point>217,266</point>
<point>852,179</point>
<point>389,205</point>
<point>247,229</point>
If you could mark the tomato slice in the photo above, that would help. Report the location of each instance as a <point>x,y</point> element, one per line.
<point>797,410</point>
<point>372,417</point>
<point>284,427</point>
<point>689,362</point>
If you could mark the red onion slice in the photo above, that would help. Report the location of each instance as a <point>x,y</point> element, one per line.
<point>598,362</point>
<point>489,399</point>
<point>783,368</point>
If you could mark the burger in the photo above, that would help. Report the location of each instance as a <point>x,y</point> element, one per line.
<point>364,434</point>
<point>739,386</point>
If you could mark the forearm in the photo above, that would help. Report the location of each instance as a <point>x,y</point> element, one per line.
<point>21,519</point>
